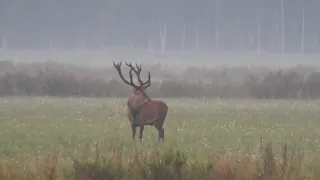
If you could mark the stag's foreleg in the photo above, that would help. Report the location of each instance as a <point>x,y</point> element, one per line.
<point>135,115</point>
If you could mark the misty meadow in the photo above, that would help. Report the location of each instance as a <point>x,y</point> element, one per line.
<point>233,91</point>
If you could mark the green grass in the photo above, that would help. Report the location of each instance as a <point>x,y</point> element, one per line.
<point>196,126</point>
<point>33,127</point>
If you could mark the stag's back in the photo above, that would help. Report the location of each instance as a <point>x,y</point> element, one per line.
<point>154,110</point>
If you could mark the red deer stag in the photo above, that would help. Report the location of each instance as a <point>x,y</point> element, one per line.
<point>141,109</point>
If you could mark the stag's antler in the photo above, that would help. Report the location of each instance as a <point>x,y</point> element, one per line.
<point>142,84</point>
<point>118,68</point>
<point>138,71</point>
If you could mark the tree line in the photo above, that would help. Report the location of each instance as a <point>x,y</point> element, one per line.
<point>59,80</point>
<point>216,25</point>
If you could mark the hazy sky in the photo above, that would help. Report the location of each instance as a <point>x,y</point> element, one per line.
<point>225,25</point>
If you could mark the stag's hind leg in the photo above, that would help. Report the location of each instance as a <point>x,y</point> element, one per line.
<point>160,130</point>
<point>134,129</point>
<point>141,132</point>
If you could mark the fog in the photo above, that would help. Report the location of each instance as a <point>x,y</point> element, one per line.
<point>272,33</point>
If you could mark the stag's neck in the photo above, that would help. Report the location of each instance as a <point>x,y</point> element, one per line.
<point>148,99</point>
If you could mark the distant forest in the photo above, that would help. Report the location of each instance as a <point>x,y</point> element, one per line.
<point>206,25</point>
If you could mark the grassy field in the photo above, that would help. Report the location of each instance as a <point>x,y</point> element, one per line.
<point>32,127</point>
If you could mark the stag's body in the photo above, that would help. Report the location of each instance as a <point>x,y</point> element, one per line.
<point>141,109</point>
<point>152,112</point>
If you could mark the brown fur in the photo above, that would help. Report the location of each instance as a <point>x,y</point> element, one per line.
<point>141,110</point>
<point>152,111</point>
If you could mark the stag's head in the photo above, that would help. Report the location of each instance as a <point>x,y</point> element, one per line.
<point>137,89</point>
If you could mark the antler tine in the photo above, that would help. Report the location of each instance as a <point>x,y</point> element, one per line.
<point>117,65</point>
<point>148,82</point>
<point>118,68</point>
<point>131,67</point>
<point>138,67</point>
<point>129,64</point>
<point>138,72</point>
